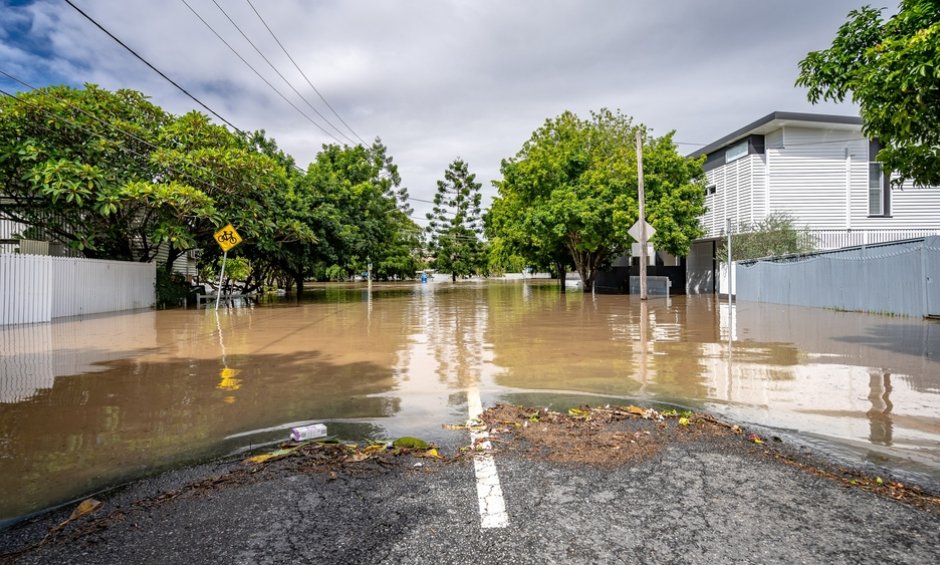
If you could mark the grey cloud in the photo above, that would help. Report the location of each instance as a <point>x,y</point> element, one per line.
<point>438,79</point>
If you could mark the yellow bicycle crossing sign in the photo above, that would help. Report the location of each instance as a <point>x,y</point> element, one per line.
<point>227,237</point>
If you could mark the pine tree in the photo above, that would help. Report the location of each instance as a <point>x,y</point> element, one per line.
<point>456,223</point>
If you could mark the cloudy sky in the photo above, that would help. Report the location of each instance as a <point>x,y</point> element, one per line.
<point>436,79</point>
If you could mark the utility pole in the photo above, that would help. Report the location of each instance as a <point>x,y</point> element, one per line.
<point>730,261</point>
<point>642,220</point>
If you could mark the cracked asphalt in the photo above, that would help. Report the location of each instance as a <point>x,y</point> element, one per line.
<point>690,503</point>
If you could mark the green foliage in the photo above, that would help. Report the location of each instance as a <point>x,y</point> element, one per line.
<point>570,194</point>
<point>501,258</point>
<point>891,69</point>
<point>237,269</point>
<point>70,173</point>
<point>774,235</point>
<point>171,289</point>
<point>358,212</point>
<point>116,177</point>
<point>456,224</point>
<point>336,273</point>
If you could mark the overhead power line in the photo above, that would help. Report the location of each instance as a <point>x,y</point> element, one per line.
<point>296,66</point>
<point>155,69</point>
<point>275,69</point>
<point>266,81</point>
<point>130,135</point>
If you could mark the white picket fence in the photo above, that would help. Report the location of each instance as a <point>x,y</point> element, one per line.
<point>37,288</point>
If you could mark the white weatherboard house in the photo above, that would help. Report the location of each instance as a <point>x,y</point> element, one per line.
<point>819,169</point>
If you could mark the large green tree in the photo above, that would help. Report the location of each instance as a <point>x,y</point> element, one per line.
<point>891,69</point>
<point>456,225</point>
<point>77,167</point>
<point>114,176</point>
<point>358,211</point>
<point>250,183</point>
<point>572,191</point>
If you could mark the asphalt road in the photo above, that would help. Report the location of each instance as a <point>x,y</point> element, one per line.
<point>695,502</point>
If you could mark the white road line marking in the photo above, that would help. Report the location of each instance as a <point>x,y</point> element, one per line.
<point>489,493</point>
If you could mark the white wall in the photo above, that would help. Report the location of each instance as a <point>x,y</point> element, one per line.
<point>819,176</point>
<point>35,288</point>
<point>738,195</point>
<point>813,172</point>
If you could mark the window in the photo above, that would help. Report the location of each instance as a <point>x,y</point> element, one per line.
<point>877,195</point>
<point>736,152</point>
<point>710,189</point>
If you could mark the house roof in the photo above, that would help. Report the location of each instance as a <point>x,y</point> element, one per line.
<point>775,120</point>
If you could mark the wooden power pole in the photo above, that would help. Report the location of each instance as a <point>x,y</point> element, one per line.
<point>642,220</point>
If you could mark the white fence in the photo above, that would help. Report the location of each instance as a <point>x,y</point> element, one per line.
<point>36,288</point>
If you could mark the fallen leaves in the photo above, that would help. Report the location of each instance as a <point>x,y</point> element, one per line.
<point>326,451</point>
<point>276,454</point>
<point>593,435</point>
<point>84,508</point>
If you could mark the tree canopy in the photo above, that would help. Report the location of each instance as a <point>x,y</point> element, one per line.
<point>570,193</point>
<point>456,223</point>
<point>891,68</point>
<point>114,176</point>
<point>78,168</point>
<point>773,236</point>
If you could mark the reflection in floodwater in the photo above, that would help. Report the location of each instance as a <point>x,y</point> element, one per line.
<point>879,415</point>
<point>84,404</point>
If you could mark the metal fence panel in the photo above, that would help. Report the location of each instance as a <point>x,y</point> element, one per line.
<point>890,279</point>
<point>932,272</point>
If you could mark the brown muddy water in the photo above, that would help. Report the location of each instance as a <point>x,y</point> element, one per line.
<point>89,403</point>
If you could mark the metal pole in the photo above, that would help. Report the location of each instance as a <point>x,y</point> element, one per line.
<point>218,295</point>
<point>730,262</point>
<point>641,197</point>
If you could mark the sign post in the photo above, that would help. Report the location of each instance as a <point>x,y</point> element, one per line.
<point>642,219</point>
<point>227,238</point>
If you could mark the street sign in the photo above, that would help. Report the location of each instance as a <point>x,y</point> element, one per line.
<point>227,237</point>
<point>635,251</point>
<point>634,231</point>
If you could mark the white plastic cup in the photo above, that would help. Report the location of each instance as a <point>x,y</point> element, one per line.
<point>303,433</point>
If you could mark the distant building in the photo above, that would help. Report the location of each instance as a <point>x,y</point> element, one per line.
<point>819,169</point>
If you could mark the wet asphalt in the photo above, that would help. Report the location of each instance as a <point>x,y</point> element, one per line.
<point>690,503</point>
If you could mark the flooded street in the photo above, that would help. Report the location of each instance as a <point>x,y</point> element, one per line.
<point>88,403</point>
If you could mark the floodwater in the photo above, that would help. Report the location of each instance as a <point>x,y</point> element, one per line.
<point>89,403</point>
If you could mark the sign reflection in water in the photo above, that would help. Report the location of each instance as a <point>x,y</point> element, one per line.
<point>84,404</point>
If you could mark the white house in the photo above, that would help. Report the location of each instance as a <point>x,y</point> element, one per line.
<point>819,169</point>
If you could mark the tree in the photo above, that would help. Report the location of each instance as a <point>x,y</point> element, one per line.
<point>570,194</point>
<point>78,167</point>
<point>512,236</point>
<point>116,177</point>
<point>356,210</point>
<point>250,184</point>
<point>774,235</point>
<point>237,269</point>
<point>892,70</point>
<point>456,224</point>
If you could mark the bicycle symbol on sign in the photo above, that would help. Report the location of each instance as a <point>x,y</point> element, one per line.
<point>227,237</point>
